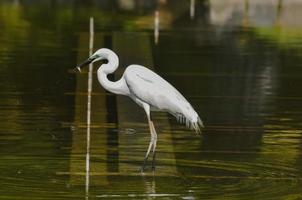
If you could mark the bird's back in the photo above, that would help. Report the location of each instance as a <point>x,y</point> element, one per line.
<point>150,88</point>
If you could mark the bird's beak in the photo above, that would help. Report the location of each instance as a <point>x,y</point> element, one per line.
<point>83,64</point>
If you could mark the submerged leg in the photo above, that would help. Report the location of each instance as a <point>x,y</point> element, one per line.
<point>153,140</point>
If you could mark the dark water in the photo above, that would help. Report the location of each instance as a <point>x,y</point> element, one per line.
<point>237,62</point>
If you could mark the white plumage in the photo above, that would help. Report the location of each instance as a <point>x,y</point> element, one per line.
<point>149,87</point>
<point>148,90</point>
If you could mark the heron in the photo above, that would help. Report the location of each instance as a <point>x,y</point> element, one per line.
<point>149,90</point>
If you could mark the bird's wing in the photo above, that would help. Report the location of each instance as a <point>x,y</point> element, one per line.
<point>149,87</point>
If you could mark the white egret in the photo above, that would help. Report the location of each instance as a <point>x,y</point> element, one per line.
<point>148,90</point>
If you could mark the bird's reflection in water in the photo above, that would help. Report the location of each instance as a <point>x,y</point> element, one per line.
<point>112,151</point>
<point>150,186</point>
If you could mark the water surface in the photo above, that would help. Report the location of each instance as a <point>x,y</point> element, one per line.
<point>237,62</point>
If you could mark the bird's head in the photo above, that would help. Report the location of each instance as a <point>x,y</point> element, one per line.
<point>101,54</point>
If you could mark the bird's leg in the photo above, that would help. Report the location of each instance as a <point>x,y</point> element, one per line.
<point>147,153</point>
<point>151,144</point>
<point>154,136</point>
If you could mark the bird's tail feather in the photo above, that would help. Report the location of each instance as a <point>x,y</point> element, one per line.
<point>194,124</point>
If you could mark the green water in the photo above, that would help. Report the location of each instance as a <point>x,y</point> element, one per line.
<point>237,62</point>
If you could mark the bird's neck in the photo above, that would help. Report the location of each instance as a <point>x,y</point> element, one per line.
<point>117,87</point>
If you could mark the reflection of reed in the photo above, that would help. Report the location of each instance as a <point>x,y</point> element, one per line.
<point>112,118</point>
<point>98,124</point>
<point>192,9</point>
<point>89,90</point>
<point>156,27</point>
